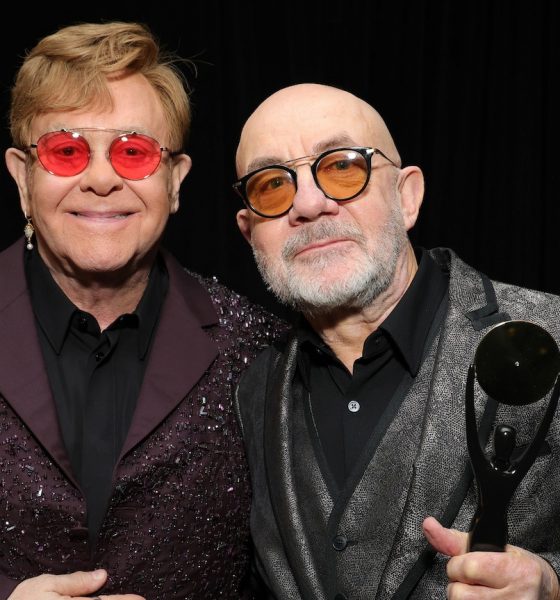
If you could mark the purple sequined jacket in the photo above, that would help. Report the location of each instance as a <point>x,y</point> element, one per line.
<point>177,524</point>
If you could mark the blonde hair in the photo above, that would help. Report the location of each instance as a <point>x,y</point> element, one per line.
<point>69,70</point>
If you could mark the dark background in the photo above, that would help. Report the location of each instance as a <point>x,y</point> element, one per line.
<point>468,90</point>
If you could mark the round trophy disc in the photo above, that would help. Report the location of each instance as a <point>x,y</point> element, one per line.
<point>517,362</point>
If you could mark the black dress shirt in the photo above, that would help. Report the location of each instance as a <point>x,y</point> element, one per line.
<point>347,407</point>
<point>95,376</point>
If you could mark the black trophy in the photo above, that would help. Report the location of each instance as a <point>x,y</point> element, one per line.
<point>516,363</point>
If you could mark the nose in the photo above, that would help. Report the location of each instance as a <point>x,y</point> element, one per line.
<point>99,176</point>
<point>310,202</point>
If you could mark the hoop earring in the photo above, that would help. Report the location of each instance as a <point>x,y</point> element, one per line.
<point>28,232</point>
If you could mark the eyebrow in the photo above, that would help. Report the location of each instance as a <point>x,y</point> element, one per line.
<point>340,141</point>
<point>60,126</point>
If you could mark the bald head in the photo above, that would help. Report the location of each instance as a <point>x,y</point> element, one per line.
<point>323,255</point>
<point>307,118</point>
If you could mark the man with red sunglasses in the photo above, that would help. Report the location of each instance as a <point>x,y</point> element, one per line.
<point>121,467</point>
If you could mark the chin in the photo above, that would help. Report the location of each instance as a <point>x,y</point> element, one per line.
<point>107,262</point>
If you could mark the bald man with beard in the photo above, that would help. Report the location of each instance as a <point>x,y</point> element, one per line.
<point>354,425</point>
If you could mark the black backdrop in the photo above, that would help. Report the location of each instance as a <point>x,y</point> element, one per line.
<point>467,88</point>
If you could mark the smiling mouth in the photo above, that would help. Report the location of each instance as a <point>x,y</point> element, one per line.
<point>320,244</point>
<point>102,216</point>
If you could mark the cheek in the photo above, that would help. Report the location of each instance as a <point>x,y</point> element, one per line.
<point>46,197</point>
<point>372,216</point>
<point>268,237</point>
<point>154,193</point>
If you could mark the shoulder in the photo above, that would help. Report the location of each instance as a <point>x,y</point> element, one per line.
<point>220,310</point>
<point>254,380</point>
<point>467,288</point>
<point>240,328</point>
<point>237,314</point>
<point>12,274</point>
<point>257,373</point>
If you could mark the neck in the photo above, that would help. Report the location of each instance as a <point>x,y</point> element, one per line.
<point>345,330</point>
<point>106,296</point>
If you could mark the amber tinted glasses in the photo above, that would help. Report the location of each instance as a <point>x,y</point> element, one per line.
<point>341,174</point>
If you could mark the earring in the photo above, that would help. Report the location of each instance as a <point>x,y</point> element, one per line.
<point>28,232</point>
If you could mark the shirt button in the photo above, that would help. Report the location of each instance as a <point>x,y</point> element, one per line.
<point>353,406</point>
<point>82,323</point>
<point>339,543</point>
<point>99,356</point>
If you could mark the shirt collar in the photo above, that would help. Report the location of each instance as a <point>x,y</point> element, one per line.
<point>408,324</point>
<point>54,310</point>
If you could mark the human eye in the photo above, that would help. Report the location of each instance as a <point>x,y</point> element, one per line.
<point>337,161</point>
<point>67,148</point>
<point>273,182</point>
<point>134,149</point>
<point>342,163</point>
<point>269,188</point>
<point>268,181</point>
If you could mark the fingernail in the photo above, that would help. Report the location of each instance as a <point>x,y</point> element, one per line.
<point>98,574</point>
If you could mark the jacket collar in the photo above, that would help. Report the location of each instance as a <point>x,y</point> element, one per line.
<point>175,364</point>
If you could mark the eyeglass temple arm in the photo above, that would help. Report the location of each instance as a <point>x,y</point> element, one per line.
<point>377,151</point>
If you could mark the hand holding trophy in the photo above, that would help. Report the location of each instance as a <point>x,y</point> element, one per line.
<point>516,363</point>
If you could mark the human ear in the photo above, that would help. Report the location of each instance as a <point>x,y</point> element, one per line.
<point>17,166</point>
<point>182,164</point>
<point>410,186</point>
<point>244,223</point>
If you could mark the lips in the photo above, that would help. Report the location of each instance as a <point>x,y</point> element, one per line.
<point>318,245</point>
<point>101,215</point>
<point>321,234</point>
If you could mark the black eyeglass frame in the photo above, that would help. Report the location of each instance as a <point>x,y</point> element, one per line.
<point>119,133</point>
<point>240,186</point>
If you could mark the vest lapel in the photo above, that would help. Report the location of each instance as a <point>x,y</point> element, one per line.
<point>280,458</point>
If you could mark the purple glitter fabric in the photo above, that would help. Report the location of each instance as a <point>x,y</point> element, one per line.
<point>177,525</point>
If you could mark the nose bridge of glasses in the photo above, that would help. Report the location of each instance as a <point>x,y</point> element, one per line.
<point>99,138</point>
<point>99,147</point>
<point>294,163</point>
<point>305,177</point>
<point>114,132</point>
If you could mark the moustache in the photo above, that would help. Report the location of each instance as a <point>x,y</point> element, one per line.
<point>317,232</point>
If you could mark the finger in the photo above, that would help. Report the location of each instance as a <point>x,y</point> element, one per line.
<point>515,569</point>
<point>479,568</point>
<point>115,597</point>
<point>72,585</point>
<point>461,591</point>
<point>447,541</point>
<point>78,583</point>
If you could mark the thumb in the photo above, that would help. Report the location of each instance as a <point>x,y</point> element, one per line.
<point>79,582</point>
<point>447,541</point>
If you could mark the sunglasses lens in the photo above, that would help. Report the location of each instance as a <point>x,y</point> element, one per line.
<point>135,156</point>
<point>342,174</point>
<point>271,192</point>
<point>63,153</point>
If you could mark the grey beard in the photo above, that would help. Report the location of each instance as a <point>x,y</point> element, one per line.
<point>371,274</point>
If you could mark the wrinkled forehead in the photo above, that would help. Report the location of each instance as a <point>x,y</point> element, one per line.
<point>287,130</point>
<point>303,122</point>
